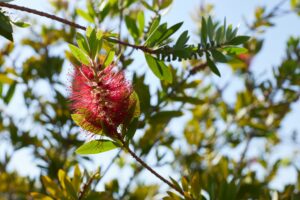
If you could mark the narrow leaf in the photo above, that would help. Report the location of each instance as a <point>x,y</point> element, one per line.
<point>141,21</point>
<point>169,32</point>
<point>182,40</point>
<point>85,15</point>
<point>95,43</point>
<point>235,50</point>
<point>164,116</point>
<point>21,24</point>
<point>10,93</point>
<point>109,58</point>
<point>239,40</point>
<point>82,42</point>
<point>203,31</point>
<point>132,128</point>
<point>210,28</point>
<point>159,68</point>
<point>5,27</point>
<point>81,121</point>
<point>96,146</point>
<point>132,27</point>
<point>79,55</point>
<point>5,79</point>
<point>213,66</point>
<point>218,56</point>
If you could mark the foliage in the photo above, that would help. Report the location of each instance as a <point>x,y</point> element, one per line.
<point>34,86</point>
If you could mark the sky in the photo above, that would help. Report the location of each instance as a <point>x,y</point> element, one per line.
<point>235,12</point>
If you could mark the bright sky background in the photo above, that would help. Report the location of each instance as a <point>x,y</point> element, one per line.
<point>182,10</point>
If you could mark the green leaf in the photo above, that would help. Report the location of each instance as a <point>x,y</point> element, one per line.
<point>72,59</point>
<point>223,36</point>
<point>203,31</point>
<point>219,35</point>
<point>159,68</point>
<point>156,35</point>
<point>5,27</point>
<point>167,34</point>
<point>154,25</point>
<point>235,50</point>
<point>85,15</point>
<point>81,121</point>
<point>89,31</point>
<point>218,56</point>
<point>176,183</point>
<point>79,55</point>
<point>213,67</point>
<point>5,79</point>
<point>91,9</point>
<point>1,89</point>
<point>76,180</point>
<point>132,27</point>
<point>229,33</point>
<point>164,116</point>
<point>186,99</point>
<point>21,24</point>
<point>69,188</point>
<point>238,40</point>
<point>96,146</point>
<point>109,58</point>
<point>10,93</point>
<point>147,5</point>
<point>95,42</point>
<point>141,21</point>
<point>61,177</point>
<point>82,43</point>
<point>182,40</point>
<point>134,102</point>
<point>132,128</point>
<point>39,196</point>
<point>164,4</point>
<point>196,185</point>
<point>210,28</point>
<point>51,187</point>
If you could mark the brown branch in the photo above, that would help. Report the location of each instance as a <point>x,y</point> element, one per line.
<point>86,186</point>
<point>70,23</point>
<point>43,14</point>
<point>145,165</point>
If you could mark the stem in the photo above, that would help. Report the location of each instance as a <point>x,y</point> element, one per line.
<point>243,156</point>
<point>43,14</point>
<point>72,24</point>
<point>145,165</point>
<point>86,186</point>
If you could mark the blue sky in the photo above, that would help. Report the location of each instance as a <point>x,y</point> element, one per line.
<point>182,10</point>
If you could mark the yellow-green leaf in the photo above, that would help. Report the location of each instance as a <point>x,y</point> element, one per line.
<point>96,146</point>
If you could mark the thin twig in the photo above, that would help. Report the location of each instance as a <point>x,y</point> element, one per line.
<point>270,14</point>
<point>243,155</point>
<point>145,165</point>
<point>43,14</point>
<point>86,186</point>
<point>275,9</point>
<point>72,24</point>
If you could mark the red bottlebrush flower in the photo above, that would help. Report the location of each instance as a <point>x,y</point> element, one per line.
<point>101,98</point>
